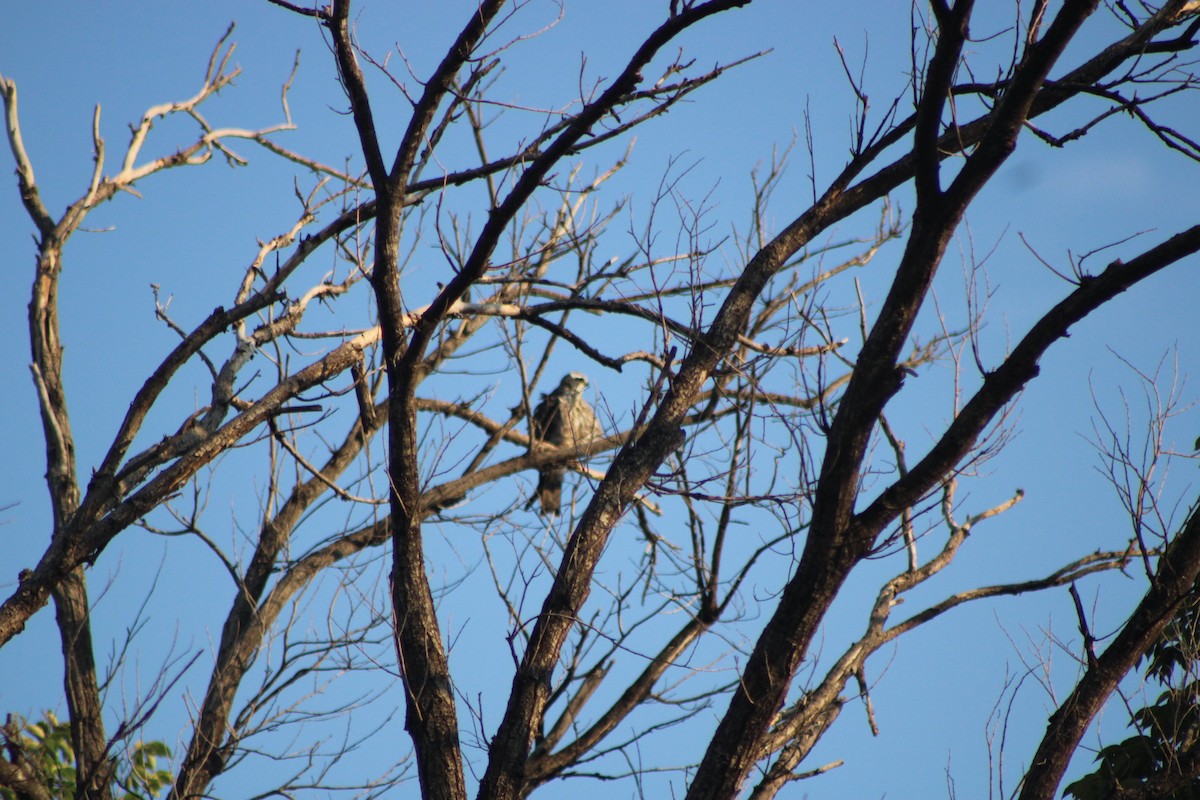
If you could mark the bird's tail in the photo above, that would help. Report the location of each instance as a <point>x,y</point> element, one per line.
<point>549,491</point>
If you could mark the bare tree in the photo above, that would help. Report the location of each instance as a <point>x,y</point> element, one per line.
<point>761,402</point>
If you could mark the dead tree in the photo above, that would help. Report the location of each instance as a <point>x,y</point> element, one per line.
<point>753,407</point>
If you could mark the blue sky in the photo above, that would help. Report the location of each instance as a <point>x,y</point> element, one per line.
<point>193,230</point>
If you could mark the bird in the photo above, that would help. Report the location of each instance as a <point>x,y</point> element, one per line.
<point>562,417</point>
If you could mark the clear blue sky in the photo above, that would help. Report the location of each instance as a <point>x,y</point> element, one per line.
<point>194,230</point>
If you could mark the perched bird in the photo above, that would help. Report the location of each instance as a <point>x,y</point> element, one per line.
<point>563,417</point>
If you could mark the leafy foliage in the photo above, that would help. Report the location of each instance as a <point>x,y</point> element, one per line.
<point>1167,733</point>
<point>46,747</point>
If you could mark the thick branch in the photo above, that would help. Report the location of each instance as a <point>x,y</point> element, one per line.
<point>93,770</point>
<point>1003,384</point>
<point>250,617</point>
<point>431,717</point>
<point>69,551</point>
<point>505,778</point>
<point>1178,570</point>
<point>837,541</point>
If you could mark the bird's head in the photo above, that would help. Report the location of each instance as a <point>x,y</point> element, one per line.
<point>574,382</point>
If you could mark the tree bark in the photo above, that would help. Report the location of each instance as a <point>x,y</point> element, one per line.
<point>93,770</point>
<point>837,540</point>
<point>1174,580</point>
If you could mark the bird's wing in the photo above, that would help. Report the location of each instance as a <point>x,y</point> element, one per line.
<point>547,422</point>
